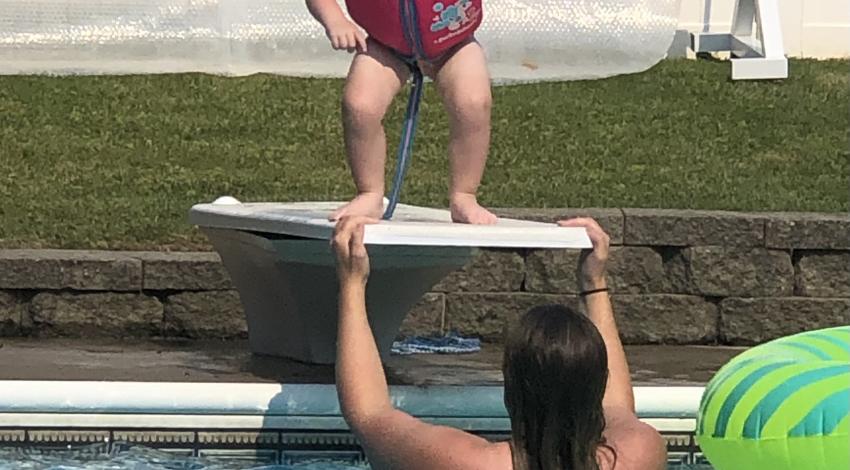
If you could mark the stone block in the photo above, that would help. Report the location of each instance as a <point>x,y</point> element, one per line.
<point>426,317</point>
<point>635,270</point>
<point>677,280</point>
<point>664,318</point>
<point>183,271</point>
<point>487,315</point>
<point>11,311</point>
<point>209,314</point>
<point>552,271</point>
<point>809,231</point>
<point>631,270</point>
<point>661,227</point>
<point>731,271</point>
<point>752,321</point>
<point>824,274</point>
<point>105,314</point>
<point>27,325</point>
<point>488,271</point>
<point>611,220</point>
<point>67,269</point>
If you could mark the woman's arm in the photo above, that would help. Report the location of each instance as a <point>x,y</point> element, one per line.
<point>391,438</point>
<point>638,446</point>
<point>360,379</point>
<point>619,391</point>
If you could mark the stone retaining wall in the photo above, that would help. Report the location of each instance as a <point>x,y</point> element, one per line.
<point>676,277</point>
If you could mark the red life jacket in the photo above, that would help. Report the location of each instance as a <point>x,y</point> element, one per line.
<point>422,29</point>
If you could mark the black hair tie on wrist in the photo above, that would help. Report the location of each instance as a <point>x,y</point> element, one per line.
<point>593,291</point>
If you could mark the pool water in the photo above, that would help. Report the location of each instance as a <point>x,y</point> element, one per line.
<point>137,458</point>
<point>142,458</point>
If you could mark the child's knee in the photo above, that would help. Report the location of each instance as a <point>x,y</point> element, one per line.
<point>359,108</point>
<point>471,108</point>
<point>475,102</point>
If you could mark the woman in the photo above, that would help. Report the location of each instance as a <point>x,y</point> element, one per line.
<point>567,386</point>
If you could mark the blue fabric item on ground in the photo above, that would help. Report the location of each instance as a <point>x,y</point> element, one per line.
<point>452,343</point>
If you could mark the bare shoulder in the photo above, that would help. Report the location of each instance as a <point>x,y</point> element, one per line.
<point>638,446</point>
<point>398,440</point>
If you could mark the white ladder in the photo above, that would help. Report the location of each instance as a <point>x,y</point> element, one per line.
<point>755,41</point>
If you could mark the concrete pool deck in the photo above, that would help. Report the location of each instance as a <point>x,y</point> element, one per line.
<point>231,361</point>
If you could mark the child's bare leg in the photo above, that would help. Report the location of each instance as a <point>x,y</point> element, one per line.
<point>464,83</point>
<point>375,77</point>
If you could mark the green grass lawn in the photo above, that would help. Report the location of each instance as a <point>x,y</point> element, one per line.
<point>116,162</point>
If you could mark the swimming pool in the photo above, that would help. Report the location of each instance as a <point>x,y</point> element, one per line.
<point>221,426</point>
<point>136,457</point>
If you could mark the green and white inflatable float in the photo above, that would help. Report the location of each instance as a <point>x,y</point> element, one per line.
<point>782,405</point>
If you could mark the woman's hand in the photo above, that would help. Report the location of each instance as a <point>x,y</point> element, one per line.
<point>344,34</point>
<point>593,262</point>
<point>351,256</point>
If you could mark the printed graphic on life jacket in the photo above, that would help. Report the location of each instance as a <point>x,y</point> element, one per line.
<point>453,17</point>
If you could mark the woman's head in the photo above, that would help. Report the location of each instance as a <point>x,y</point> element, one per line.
<point>556,370</point>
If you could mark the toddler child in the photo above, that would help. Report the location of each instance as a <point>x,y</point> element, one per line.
<point>438,37</point>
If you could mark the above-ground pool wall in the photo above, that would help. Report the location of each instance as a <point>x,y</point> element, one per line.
<point>676,277</point>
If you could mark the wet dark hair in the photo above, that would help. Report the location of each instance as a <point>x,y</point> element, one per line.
<point>556,369</point>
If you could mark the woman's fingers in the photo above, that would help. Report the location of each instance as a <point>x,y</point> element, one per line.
<point>585,222</point>
<point>358,248</point>
<point>348,241</point>
<point>597,236</point>
<point>574,222</point>
<point>341,245</point>
<point>592,262</point>
<point>349,235</point>
<point>355,220</point>
<point>580,222</point>
<point>342,238</point>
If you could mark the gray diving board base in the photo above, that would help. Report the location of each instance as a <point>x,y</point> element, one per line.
<point>288,289</point>
<point>279,258</point>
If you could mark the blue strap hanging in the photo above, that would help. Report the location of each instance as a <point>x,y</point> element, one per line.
<point>409,20</point>
<point>405,148</point>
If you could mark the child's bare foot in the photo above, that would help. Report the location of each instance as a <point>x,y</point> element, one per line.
<point>368,204</point>
<point>466,210</point>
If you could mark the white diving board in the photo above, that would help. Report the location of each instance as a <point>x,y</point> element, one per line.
<point>411,226</point>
